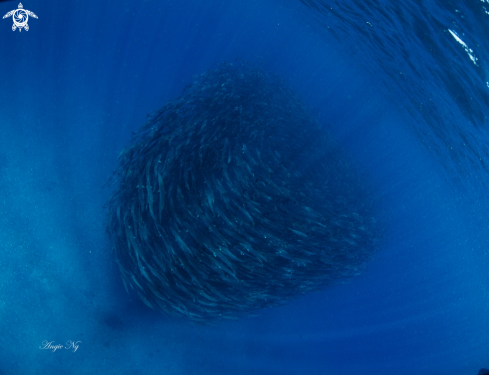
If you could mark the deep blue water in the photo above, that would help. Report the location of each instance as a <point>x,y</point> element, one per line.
<point>399,91</point>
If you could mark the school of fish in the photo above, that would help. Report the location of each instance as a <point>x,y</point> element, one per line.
<point>232,198</point>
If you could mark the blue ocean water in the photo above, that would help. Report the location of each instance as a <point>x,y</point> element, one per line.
<point>404,88</point>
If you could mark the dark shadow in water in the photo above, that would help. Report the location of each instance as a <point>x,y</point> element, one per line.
<point>113,321</point>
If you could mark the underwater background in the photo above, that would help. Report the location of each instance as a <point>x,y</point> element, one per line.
<point>404,88</point>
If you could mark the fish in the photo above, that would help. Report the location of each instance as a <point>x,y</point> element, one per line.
<point>161,203</point>
<point>180,242</point>
<point>231,199</point>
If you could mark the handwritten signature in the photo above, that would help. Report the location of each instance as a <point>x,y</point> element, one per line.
<point>50,345</point>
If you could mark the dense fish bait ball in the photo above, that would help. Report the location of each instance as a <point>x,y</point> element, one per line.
<point>232,198</point>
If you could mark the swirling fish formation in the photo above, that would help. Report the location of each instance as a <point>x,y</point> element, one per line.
<point>232,198</point>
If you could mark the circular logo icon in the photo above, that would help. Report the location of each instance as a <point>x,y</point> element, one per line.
<point>20,17</point>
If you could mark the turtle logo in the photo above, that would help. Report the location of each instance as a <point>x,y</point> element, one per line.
<point>20,17</point>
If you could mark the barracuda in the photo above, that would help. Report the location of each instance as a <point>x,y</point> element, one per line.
<point>232,198</point>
